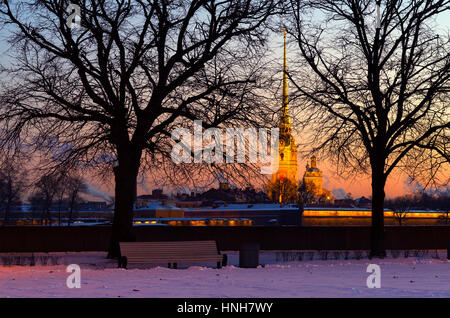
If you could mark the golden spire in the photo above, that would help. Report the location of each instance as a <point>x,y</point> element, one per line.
<point>285,116</point>
<point>285,88</point>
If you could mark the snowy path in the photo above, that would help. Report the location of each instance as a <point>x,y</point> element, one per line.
<point>402,277</point>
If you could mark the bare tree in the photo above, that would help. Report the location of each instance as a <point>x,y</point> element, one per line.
<point>46,193</point>
<point>283,191</point>
<point>75,186</point>
<point>13,182</point>
<point>445,216</point>
<point>60,196</point>
<point>374,89</point>
<point>400,210</point>
<point>306,193</point>
<point>111,91</point>
<point>69,187</point>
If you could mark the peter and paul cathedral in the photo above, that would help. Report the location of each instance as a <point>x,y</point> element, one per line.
<point>287,169</point>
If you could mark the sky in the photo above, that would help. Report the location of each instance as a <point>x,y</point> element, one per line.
<point>360,185</point>
<point>357,186</point>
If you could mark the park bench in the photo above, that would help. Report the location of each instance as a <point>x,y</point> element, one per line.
<point>170,253</point>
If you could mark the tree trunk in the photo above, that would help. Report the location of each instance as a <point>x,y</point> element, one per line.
<point>7,210</point>
<point>125,195</point>
<point>59,213</point>
<point>377,248</point>
<point>301,209</point>
<point>72,202</point>
<point>8,202</point>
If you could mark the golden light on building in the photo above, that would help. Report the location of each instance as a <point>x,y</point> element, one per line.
<point>313,180</point>
<point>366,213</point>
<point>287,169</point>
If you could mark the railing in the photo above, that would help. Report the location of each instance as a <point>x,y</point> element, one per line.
<point>96,238</point>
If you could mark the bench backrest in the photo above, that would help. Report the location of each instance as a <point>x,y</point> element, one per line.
<point>161,249</point>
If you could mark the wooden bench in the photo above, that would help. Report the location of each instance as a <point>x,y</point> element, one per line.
<point>170,253</point>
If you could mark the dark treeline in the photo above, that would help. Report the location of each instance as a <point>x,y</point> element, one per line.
<point>44,191</point>
<point>422,201</point>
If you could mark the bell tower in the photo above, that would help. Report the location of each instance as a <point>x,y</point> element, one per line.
<point>313,178</point>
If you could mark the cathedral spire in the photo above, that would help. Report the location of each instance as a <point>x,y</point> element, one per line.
<point>285,120</point>
<point>285,80</point>
<point>287,149</point>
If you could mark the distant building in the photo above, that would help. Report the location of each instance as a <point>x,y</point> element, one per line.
<point>344,203</point>
<point>222,195</point>
<point>313,181</point>
<point>188,204</point>
<point>92,206</point>
<point>156,195</point>
<point>364,202</point>
<point>313,177</point>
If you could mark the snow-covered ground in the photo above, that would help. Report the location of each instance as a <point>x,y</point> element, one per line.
<point>424,275</point>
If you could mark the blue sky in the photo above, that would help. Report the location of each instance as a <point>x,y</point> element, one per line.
<point>443,21</point>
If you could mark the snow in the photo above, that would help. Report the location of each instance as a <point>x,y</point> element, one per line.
<point>421,276</point>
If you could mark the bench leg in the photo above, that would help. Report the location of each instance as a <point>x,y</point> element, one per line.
<point>168,265</point>
<point>175,265</point>
<point>123,262</point>
<point>225,260</point>
<point>219,265</point>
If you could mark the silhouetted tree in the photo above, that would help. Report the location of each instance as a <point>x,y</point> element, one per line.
<point>306,193</point>
<point>445,216</point>
<point>46,193</point>
<point>13,182</point>
<point>374,94</point>
<point>284,190</point>
<point>400,210</point>
<point>75,186</point>
<point>111,91</point>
